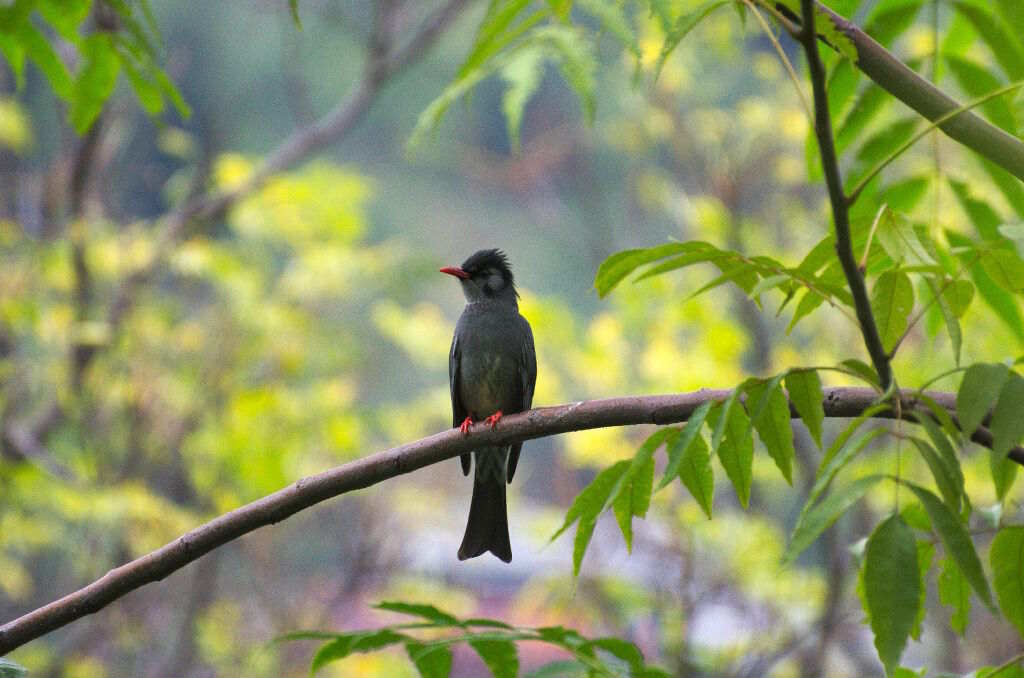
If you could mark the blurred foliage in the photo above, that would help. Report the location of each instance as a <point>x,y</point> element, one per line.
<point>301,330</point>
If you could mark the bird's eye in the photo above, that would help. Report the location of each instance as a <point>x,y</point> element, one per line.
<point>494,280</point>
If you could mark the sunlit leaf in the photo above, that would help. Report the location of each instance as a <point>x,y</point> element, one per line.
<point>1005,268</point>
<point>683,25</point>
<point>976,80</point>
<point>428,612</point>
<point>619,265</point>
<point>95,81</point>
<point>523,74</point>
<point>348,643</point>
<point>1004,45</point>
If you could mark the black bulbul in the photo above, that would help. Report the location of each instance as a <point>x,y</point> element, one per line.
<point>492,369</point>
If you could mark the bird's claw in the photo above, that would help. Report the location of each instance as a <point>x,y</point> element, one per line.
<point>466,423</point>
<point>493,419</point>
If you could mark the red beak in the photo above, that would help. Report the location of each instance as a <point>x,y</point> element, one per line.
<point>456,271</point>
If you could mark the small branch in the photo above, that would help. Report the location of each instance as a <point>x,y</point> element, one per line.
<point>840,215</point>
<point>370,470</point>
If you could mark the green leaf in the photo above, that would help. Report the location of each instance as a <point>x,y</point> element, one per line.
<point>808,302</point>
<point>66,16</point>
<point>840,453</point>
<point>925,553</point>
<point>360,641</point>
<point>736,447</point>
<point>957,541</point>
<point>1007,559</point>
<point>955,592</point>
<point>900,240</point>
<point>892,300</point>
<point>591,501</point>
<point>947,455</point>
<point>979,390</point>
<point>10,669</point>
<point>862,370</point>
<point>494,34</point>
<point>977,81</point>
<point>872,101</point>
<point>772,423</point>
<point>432,661</point>
<point>1005,268</point>
<point>499,655</point>
<point>944,478</point>
<point>619,265</point>
<point>523,74</point>
<point>41,52</point>
<point>149,95</point>
<point>683,25</point>
<point>622,649</point>
<point>679,446</point>
<point>95,82</point>
<point>813,522</point>
<point>612,20</point>
<point>562,668</point>
<point>804,388</point>
<point>633,498</point>
<point>428,612</point>
<point>1004,45</point>
<point>696,474</point>
<point>1007,431</point>
<point>891,587</point>
<point>293,8</point>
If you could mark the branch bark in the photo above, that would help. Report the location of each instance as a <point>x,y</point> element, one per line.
<point>370,470</point>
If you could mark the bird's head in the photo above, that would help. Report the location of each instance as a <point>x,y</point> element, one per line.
<point>485,275</point>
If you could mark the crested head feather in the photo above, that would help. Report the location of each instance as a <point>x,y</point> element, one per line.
<point>491,260</point>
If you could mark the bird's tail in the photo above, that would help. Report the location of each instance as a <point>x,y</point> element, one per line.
<point>487,528</point>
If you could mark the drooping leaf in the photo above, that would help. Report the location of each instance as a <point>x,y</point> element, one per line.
<point>1007,559</point>
<point>499,655</point>
<point>804,388</point>
<point>956,593</point>
<point>633,498</point>
<point>925,553</point>
<point>979,390</point>
<point>897,235</point>
<point>944,478</point>
<point>1005,268</point>
<point>1007,431</point>
<point>891,587</point>
<point>771,420</point>
<point>735,445</point>
<point>892,300</point>
<point>695,473</point>
<point>95,80</point>
<point>678,447</point>
<point>1004,45</point>
<point>956,539</point>
<point>862,370</point>
<point>432,661</point>
<point>947,455</point>
<point>613,20</point>
<point>523,74</point>
<point>840,453</point>
<point>814,521</point>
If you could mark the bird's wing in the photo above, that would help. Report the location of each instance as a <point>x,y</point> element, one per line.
<point>528,379</point>
<point>458,410</point>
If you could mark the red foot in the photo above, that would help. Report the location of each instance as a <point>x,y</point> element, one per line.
<point>466,423</point>
<point>493,419</point>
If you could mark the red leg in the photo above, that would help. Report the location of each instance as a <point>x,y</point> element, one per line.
<point>493,419</point>
<point>466,423</point>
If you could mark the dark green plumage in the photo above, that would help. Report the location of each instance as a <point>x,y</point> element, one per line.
<point>492,369</point>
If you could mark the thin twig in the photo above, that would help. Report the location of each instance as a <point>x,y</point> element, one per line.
<point>784,59</point>
<point>871,236</point>
<point>370,470</point>
<point>840,215</point>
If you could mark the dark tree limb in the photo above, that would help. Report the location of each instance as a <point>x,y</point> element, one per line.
<point>370,470</point>
<point>808,37</point>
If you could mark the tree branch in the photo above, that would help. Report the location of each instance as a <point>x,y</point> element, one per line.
<point>298,146</point>
<point>370,470</point>
<point>897,79</point>
<point>840,212</point>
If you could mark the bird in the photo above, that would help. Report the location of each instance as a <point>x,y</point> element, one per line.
<point>492,370</point>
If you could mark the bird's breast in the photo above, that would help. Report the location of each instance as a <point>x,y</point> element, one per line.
<point>488,382</point>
